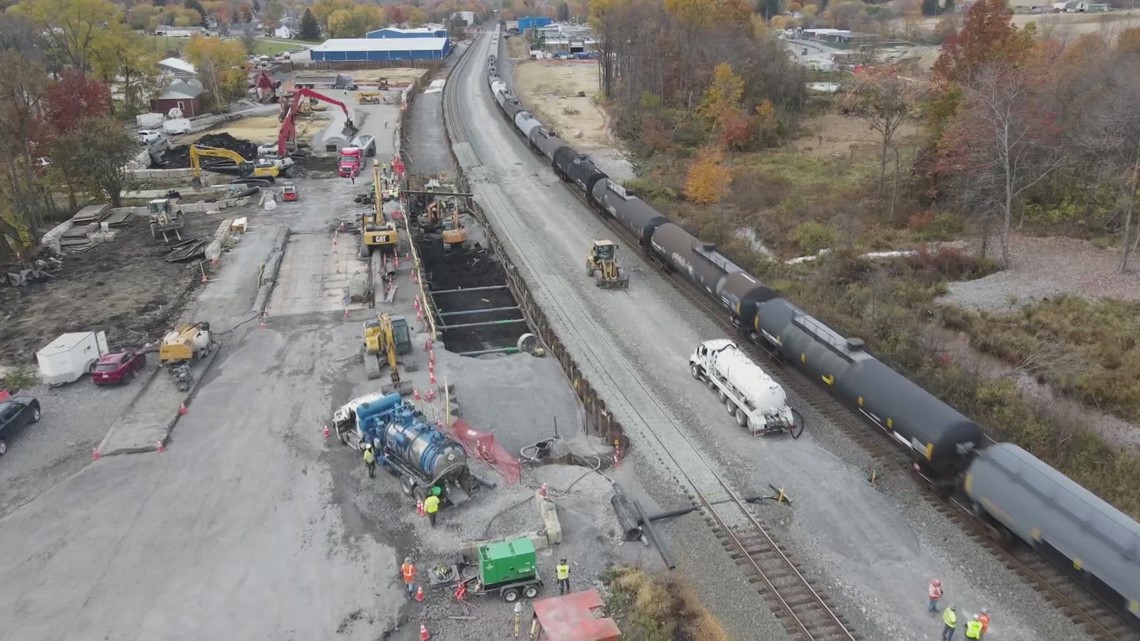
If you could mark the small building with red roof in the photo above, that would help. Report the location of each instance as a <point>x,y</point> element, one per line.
<point>575,617</point>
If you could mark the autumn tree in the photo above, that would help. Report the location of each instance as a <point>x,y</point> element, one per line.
<point>75,29</point>
<point>23,200</point>
<point>988,37</point>
<point>220,64</point>
<point>1001,143</point>
<point>708,177</point>
<point>100,150</point>
<point>885,100</point>
<point>355,23</point>
<point>309,29</point>
<point>323,9</point>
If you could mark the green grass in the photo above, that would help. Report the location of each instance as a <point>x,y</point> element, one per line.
<point>1084,349</point>
<point>658,608</point>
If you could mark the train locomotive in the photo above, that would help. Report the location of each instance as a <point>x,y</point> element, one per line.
<point>1006,487</point>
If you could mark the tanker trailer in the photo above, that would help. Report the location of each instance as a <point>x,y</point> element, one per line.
<point>748,393</point>
<point>415,451</point>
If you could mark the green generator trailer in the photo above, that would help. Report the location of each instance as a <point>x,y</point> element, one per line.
<point>508,568</point>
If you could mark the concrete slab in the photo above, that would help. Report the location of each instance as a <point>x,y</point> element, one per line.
<point>316,273</point>
<point>151,418</point>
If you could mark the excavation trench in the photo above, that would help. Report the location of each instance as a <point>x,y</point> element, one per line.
<point>474,308</point>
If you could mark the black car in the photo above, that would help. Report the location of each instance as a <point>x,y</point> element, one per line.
<point>16,413</point>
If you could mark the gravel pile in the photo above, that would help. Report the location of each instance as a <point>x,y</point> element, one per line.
<point>518,397</point>
<point>1043,268</point>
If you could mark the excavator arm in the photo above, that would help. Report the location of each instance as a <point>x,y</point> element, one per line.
<point>288,129</point>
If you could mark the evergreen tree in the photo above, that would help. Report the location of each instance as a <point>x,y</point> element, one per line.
<point>309,28</point>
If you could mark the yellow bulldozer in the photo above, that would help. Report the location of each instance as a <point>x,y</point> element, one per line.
<point>601,263</point>
<point>386,338</point>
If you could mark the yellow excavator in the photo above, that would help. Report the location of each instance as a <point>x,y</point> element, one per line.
<point>454,234</point>
<point>263,168</point>
<point>387,337</point>
<point>601,263</point>
<point>375,228</point>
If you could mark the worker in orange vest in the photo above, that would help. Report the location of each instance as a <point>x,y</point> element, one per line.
<point>934,592</point>
<point>408,569</point>
<point>984,617</point>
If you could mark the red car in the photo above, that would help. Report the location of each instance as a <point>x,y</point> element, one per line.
<point>118,368</point>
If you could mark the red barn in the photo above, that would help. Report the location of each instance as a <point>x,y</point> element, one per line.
<point>187,96</point>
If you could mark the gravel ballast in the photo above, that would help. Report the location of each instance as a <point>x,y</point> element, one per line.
<point>874,550</point>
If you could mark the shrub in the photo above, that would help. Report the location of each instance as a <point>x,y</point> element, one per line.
<point>650,190</point>
<point>812,236</point>
<point>658,608</point>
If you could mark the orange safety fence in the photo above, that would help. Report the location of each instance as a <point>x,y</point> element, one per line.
<point>483,446</point>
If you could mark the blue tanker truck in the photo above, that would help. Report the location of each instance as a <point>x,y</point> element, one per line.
<point>408,447</point>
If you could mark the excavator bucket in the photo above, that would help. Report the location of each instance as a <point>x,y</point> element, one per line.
<point>350,129</point>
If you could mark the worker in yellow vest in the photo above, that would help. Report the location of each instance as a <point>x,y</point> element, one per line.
<point>974,628</point>
<point>431,505</point>
<point>949,623</point>
<point>370,460</point>
<point>562,571</point>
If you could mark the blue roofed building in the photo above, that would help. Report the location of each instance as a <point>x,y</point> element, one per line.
<point>396,32</point>
<point>381,49</point>
<point>534,22</point>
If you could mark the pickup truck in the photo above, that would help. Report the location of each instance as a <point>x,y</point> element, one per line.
<point>16,413</point>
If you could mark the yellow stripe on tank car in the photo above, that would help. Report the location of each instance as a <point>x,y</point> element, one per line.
<point>860,401</point>
<point>969,484</point>
<point>890,423</point>
<point>1035,534</point>
<point>803,357</point>
<point>1077,564</point>
<point>1134,606</point>
<point>930,451</point>
<point>830,380</point>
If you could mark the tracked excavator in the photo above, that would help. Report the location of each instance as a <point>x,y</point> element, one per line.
<point>601,263</point>
<point>288,116</point>
<point>376,230</point>
<point>386,338</point>
<point>262,169</point>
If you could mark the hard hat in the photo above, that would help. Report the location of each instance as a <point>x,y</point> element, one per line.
<point>936,583</point>
<point>563,560</point>
<point>985,610</point>
<point>408,560</point>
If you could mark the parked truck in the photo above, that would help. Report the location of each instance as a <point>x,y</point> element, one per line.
<point>408,447</point>
<point>750,395</point>
<point>351,162</point>
<point>70,356</point>
<point>324,81</point>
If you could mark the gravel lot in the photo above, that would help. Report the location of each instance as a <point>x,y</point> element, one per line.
<point>75,418</point>
<point>875,549</point>
<point>1047,267</point>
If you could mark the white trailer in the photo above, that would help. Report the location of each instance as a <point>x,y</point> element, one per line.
<point>70,356</point>
<point>748,393</point>
<point>176,126</point>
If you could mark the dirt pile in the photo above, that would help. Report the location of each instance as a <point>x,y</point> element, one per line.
<point>179,157</point>
<point>124,287</point>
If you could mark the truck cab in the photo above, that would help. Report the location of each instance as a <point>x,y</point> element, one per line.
<point>351,162</point>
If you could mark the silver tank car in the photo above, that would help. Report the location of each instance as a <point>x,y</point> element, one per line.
<point>1047,509</point>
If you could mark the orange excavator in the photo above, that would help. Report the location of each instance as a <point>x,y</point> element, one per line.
<point>288,133</point>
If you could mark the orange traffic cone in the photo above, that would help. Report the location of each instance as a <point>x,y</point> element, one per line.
<point>424,636</point>
<point>420,507</point>
<point>416,395</point>
<point>431,376</point>
<point>182,411</point>
<point>161,447</point>
<point>325,431</point>
<point>420,593</point>
<point>96,454</point>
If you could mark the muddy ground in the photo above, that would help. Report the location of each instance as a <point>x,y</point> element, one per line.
<point>124,287</point>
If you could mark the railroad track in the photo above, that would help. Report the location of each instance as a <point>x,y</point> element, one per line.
<point>803,609</point>
<point>1087,610</point>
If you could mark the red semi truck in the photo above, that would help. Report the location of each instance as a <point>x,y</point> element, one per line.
<point>351,162</point>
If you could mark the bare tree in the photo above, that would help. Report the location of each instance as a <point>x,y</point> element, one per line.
<point>1002,142</point>
<point>885,100</point>
<point>1110,136</point>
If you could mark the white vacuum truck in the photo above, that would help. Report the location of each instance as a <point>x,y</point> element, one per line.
<point>748,393</point>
